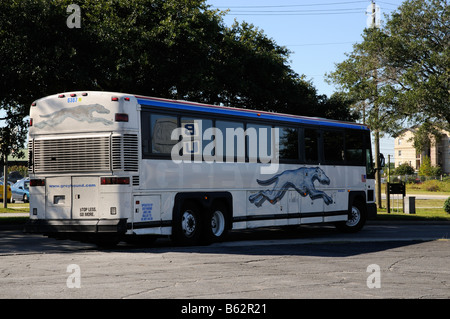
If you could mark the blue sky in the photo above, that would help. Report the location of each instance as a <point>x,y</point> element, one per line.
<point>318,33</point>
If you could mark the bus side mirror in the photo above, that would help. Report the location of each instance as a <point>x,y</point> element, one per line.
<point>382,160</point>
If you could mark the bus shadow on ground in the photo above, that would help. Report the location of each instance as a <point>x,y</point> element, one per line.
<point>320,241</point>
<point>317,241</point>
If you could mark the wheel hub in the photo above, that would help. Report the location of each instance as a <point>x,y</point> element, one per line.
<point>188,223</point>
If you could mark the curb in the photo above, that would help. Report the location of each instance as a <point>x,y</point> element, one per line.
<point>408,222</point>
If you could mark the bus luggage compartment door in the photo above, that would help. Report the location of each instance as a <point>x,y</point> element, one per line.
<point>147,214</point>
<point>58,203</point>
<point>85,197</point>
<point>71,197</point>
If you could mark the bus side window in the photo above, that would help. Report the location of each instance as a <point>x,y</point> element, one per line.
<point>258,143</point>
<point>161,127</point>
<point>311,145</point>
<point>288,143</point>
<point>333,146</point>
<point>194,131</point>
<point>233,134</point>
<point>354,147</point>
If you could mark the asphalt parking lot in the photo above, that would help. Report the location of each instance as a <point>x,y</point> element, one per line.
<point>382,261</point>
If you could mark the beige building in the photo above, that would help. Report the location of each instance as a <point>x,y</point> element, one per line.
<point>405,152</point>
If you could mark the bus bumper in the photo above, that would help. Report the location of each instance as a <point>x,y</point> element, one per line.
<point>371,211</point>
<point>104,226</point>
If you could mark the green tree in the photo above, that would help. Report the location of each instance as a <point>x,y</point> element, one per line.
<point>447,205</point>
<point>400,72</point>
<point>164,48</point>
<point>361,78</point>
<point>416,56</point>
<point>404,169</point>
<point>425,136</point>
<point>425,168</point>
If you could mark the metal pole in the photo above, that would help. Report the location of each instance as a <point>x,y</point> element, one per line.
<point>389,168</point>
<point>5,182</point>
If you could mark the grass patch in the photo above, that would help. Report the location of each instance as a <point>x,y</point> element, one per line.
<point>14,208</point>
<point>429,187</point>
<point>431,213</point>
<point>417,216</point>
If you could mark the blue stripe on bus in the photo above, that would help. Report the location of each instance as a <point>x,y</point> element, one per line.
<point>249,114</point>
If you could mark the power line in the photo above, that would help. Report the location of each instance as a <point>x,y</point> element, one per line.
<point>314,44</point>
<point>295,5</point>
<point>275,13</point>
<point>388,3</point>
<point>254,10</point>
<point>295,11</point>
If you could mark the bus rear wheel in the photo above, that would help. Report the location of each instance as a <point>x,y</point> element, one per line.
<point>217,227</point>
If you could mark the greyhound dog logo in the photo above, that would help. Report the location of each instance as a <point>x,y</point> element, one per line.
<point>81,113</point>
<point>301,179</point>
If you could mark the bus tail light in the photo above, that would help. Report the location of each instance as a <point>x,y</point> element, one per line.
<point>121,117</point>
<point>37,182</point>
<point>115,180</point>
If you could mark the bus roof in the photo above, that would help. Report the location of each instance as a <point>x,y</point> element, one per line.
<point>248,113</point>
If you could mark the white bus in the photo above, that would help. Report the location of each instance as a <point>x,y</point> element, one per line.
<point>113,166</point>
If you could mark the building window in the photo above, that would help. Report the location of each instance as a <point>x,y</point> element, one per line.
<point>399,153</point>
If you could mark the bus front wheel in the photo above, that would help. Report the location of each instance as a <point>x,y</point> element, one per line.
<point>356,219</point>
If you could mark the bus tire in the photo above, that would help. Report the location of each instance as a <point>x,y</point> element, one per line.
<point>217,223</point>
<point>357,218</point>
<point>188,226</point>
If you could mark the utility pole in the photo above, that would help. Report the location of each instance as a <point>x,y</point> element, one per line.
<point>5,181</point>
<point>373,22</point>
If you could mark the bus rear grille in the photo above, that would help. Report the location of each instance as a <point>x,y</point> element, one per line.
<point>86,154</point>
<point>125,152</point>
